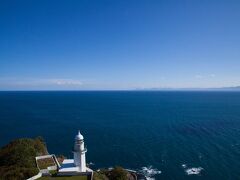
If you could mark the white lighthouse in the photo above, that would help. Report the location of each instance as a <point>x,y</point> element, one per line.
<point>78,163</point>
<point>79,152</point>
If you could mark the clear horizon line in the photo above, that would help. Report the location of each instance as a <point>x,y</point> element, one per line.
<point>136,89</point>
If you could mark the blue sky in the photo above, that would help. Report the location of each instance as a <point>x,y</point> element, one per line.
<point>119,44</point>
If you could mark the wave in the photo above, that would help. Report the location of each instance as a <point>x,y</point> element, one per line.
<point>184,165</point>
<point>149,172</point>
<point>193,170</point>
<point>91,164</point>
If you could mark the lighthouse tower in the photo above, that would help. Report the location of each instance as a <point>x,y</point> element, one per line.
<point>79,153</point>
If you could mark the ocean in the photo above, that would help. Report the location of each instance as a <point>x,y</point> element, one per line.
<point>165,135</point>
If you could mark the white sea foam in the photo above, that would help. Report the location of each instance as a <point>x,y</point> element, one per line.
<point>91,164</point>
<point>110,168</point>
<point>194,171</point>
<point>184,165</point>
<point>149,172</point>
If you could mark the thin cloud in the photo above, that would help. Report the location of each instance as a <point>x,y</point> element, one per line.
<point>41,81</point>
<point>198,76</point>
<point>65,82</point>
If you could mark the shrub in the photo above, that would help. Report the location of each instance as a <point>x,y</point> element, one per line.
<point>99,176</point>
<point>118,173</point>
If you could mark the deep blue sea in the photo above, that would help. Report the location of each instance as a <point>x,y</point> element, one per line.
<point>174,135</point>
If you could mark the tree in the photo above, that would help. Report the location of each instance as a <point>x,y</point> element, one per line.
<point>17,159</point>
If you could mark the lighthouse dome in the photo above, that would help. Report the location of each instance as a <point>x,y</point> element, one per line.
<point>79,136</point>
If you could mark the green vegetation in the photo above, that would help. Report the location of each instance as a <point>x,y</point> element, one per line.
<point>65,178</point>
<point>53,172</point>
<point>17,159</point>
<point>99,176</point>
<point>117,173</point>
